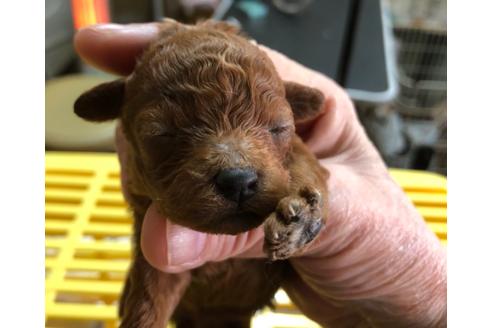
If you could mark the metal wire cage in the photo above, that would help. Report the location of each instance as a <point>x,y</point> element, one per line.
<point>420,31</point>
<point>422,71</point>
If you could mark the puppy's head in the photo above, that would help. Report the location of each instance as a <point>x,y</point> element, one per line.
<point>210,126</point>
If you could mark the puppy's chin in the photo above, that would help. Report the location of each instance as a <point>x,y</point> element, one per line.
<point>227,220</point>
<point>214,214</point>
<point>234,223</point>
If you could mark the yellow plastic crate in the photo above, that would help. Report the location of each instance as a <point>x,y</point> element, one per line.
<point>88,230</point>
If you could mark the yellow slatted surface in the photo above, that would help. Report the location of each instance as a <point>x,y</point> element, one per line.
<point>88,231</point>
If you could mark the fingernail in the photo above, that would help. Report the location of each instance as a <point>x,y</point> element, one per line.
<point>105,27</point>
<point>110,26</point>
<point>138,28</point>
<point>184,245</point>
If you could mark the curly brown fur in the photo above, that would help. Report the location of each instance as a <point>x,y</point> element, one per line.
<point>205,111</point>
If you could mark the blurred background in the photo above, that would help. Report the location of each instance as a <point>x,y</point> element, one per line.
<point>390,55</point>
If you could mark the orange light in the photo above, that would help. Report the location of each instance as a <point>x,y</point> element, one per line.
<point>89,12</point>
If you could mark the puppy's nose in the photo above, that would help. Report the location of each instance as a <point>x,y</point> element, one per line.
<point>237,184</point>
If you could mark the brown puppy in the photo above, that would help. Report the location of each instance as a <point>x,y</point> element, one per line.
<point>211,132</point>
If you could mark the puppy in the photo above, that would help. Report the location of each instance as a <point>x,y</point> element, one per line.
<point>210,128</point>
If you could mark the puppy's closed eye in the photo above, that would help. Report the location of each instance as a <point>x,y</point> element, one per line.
<point>154,130</point>
<point>157,141</point>
<point>160,139</point>
<point>279,129</point>
<point>165,134</point>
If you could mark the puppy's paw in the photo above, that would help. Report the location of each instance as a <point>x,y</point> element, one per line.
<point>296,222</point>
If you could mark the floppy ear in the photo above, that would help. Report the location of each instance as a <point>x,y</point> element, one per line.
<point>306,102</point>
<point>101,103</point>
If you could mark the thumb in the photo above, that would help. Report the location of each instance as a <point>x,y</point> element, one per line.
<point>173,248</point>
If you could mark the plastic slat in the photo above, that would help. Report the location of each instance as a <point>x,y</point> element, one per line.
<point>421,181</point>
<point>88,287</point>
<point>428,198</point>
<point>432,214</point>
<point>83,311</point>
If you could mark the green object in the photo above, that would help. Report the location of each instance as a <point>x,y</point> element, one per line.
<point>253,9</point>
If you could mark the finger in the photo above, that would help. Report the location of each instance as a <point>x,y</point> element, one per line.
<point>173,248</point>
<point>112,47</point>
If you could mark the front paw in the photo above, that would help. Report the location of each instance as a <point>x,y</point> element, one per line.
<point>296,222</point>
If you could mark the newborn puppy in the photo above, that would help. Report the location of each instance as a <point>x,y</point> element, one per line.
<point>210,127</point>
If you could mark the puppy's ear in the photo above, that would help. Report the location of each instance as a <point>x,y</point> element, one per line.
<point>306,102</point>
<point>101,103</point>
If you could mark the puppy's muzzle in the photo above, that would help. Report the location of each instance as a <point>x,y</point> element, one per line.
<point>237,184</point>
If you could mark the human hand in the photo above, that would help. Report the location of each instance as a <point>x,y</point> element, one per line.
<point>375,262</point>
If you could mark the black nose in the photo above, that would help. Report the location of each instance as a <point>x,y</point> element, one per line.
<point>237,184</point>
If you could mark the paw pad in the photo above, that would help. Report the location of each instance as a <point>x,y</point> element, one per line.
<point>296,222</point>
